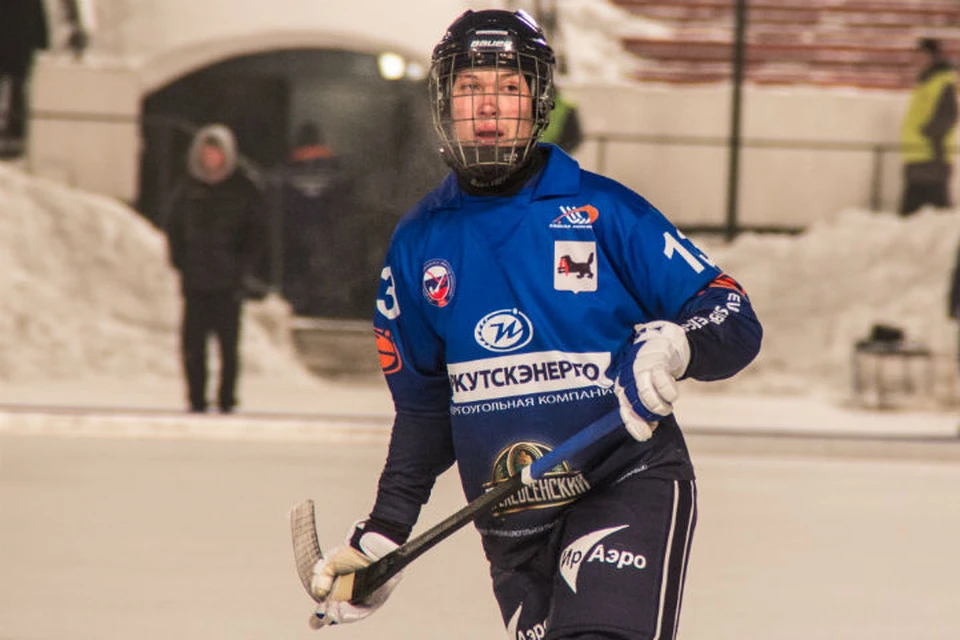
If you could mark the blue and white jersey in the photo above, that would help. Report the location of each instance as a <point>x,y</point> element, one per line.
<point>507,314</point>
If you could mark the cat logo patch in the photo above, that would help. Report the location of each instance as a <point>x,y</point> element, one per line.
<point>575,266</point>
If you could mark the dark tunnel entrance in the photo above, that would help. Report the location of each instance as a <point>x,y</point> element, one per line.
<point>331,227</point>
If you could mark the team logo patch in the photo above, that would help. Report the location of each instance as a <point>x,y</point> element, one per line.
<point>439,282</point>
<point>504,331</point>
<point>576,217</point>
<point>560,485</point>
<point>390,360</point>
<point>576,266</point>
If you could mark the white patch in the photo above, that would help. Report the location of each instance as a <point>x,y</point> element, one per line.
<point>575,554</point>
<point>527,373</point>
<point>575,266</point>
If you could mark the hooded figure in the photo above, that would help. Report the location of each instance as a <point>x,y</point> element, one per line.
<point>217,235</point>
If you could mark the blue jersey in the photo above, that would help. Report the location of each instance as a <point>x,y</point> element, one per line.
<point>499,321</point>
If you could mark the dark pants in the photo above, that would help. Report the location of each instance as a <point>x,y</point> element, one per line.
<point>613,568</point>
<point>13,105</point>
<point>206,313</point>
<point>915,196</point>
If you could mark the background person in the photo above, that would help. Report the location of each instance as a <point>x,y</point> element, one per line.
<point>928,132</point>
<point>217,234</point>
<point>317,268</point>
<point>501,355</point>
<point>23,31</point>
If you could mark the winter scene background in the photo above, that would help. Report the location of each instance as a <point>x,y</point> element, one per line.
<point>822,515</point>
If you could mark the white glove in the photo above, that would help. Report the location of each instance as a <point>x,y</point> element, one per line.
<point>346,559</point>
<point>646,384</point>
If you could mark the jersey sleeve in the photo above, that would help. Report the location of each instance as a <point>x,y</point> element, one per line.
<point>722,329</point>
<point>660,266</point>
<point>411,354</point>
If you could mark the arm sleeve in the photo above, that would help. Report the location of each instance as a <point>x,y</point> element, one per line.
<point>256,231</point>
<point>412,354</point>
<point>172,221</point>
<point>943,119</point>
<point>722,329</point>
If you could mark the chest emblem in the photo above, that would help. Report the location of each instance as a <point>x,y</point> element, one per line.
<point>439,282</point>
<point>504,331</point>
<point>576,266</point>
<point>576,217</point>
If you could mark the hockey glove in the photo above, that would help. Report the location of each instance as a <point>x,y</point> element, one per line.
<point>361,549</point>
<point>647,376</point>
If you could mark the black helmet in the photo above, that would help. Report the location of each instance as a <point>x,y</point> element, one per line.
<point>504,42</point>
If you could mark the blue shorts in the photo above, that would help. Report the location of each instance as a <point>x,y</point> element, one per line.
<point>613,567</point>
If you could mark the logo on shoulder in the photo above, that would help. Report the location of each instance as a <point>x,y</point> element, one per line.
<point>576,217</point>
<point>439,282</point>
<point>504,331</point>
<point>390,360</point>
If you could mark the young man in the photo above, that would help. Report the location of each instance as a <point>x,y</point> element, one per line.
<point>217,233</point>
<point>524,298</point>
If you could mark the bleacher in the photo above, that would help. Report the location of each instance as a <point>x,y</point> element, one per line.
<point>849,43</point>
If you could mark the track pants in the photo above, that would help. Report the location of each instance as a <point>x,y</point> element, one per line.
<point>614,567</point>
<point>205,313</point>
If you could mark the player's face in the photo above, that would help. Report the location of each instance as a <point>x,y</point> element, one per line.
<point>492,107</point>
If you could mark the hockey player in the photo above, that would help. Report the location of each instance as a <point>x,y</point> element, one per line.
<point>522,299</point>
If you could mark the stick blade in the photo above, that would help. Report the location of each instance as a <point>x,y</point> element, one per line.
<point>306,546</point>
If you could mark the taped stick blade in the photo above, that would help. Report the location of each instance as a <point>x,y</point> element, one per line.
<point>306,546</point>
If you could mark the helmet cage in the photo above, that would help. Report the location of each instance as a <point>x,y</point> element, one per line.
<point>506,53</point>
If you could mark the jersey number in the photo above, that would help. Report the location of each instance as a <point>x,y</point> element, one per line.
<point>387,304</point>
<point>672,245</point>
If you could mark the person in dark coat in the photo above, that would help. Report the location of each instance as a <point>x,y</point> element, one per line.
<point>928,131</point>
<point>217,234</point>
<point>316,263</point>
<point>23,31</point>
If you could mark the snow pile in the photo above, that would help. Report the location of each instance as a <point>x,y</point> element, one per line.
<point>87,291</point>
<point>590,36</point>
<point>820,292</point>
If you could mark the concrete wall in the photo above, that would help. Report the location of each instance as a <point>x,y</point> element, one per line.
<point>777,185</point>
<point>85,113</point>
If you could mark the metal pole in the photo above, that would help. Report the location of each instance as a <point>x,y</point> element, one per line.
<point>738,62</point>
<point>876,182</point>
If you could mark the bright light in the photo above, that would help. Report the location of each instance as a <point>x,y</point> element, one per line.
<point>392,66</point>
<point>416,71</point>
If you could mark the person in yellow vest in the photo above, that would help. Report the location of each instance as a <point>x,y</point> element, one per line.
<point>928,132</point>
<point>563,129</point>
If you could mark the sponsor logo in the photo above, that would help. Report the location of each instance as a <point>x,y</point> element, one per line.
<point>438,282</point>
<point>575,266</point>
<point>536,632</point>
<point>527,373</point>
<point>492,39</point>
<point>390,360</point>
<point>504,330</point>
<point>589,549</point>
<point>560,485</point>
<point>576,217</point>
